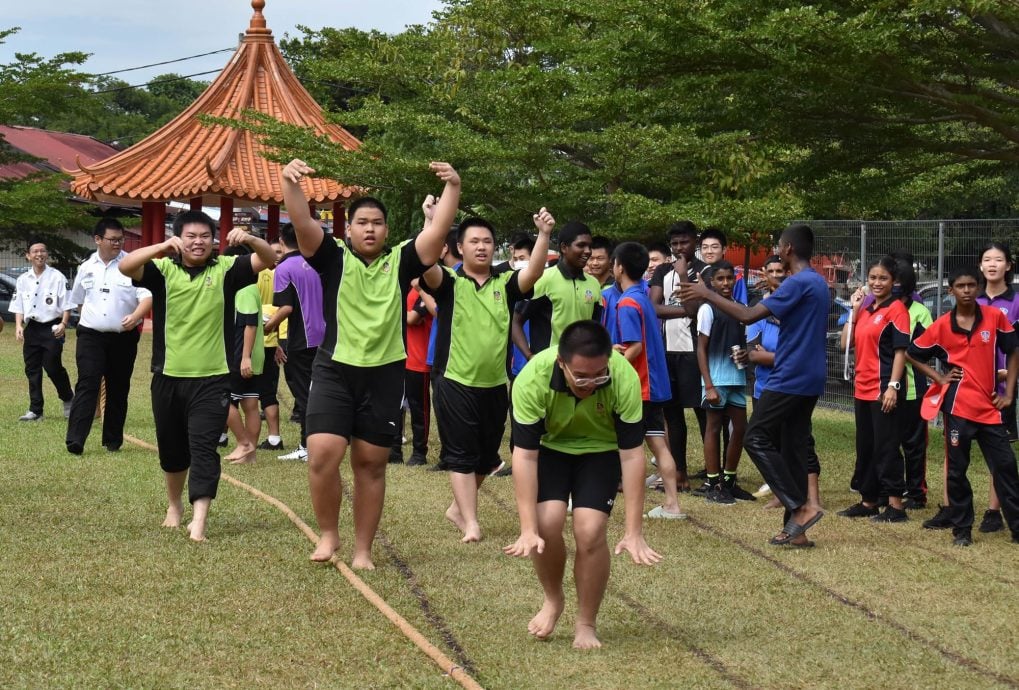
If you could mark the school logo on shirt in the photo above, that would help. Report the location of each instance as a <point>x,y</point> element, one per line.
<point>208,282</point>
<point>878,318</point>
<point>1003,310</point>
<point>385,267</point>
<point>497,295</point>
<point>600,408</point>
<point>985,336</point>
<point>588,296</point>
<point>954,438</point>
<point>49,301</point>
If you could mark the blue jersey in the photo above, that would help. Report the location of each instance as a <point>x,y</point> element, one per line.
<point>801,305</point>
<point>636,322</point>
<point>765,332</point>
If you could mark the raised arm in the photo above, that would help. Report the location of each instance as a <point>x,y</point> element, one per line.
<point>431,239</point>
<point>699,292</point>
<point>133,264</point>
<point>264,256</point>
<point>544,222</point>
<point>309,232</point>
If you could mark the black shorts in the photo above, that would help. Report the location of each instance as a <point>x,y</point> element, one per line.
<point>591,479</point>
<point>358,402</point>
<point>473,421</point>
<point>685,379</point>
<point>241,387</point>
<point>269,381</point>
<point>654,419</point>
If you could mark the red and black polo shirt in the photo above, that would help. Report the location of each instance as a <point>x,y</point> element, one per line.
<point>880,330</point>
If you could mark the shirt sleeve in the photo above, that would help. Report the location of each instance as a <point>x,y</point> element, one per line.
<point>755,331</point>
<point>410,263</point>
<point>152,275</point>
<point>629,407</point>
<point>18,300</point>
<point>1006,334</point>
<point>785,299</point>
<point>77,295</point>
<point>326,257</point>
<point>287,297</point>
<point>443,293</point>
<point>240,273</point>
<point>658,277</point>
<point>529,409</point>
<point>141,293</point>
<point>705,319</point>
<point>901,334</point>
<point>926,345</point>
<point>629,323</point>
<point>62,294</point>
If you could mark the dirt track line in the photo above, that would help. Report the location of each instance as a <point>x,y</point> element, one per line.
<point>455,671</point>
<point>954,657</point>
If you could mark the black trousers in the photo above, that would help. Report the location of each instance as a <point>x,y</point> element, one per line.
<point>685,380</point>
<point>416,390</point>
<point>994,444</point>
<point>437,410</point>
<point>913,437</point>
<point>101,356</point>
<point>879,464</point>
<point>190,415</point>
<point>813,462</point>
<point>778,441</point>
<point>297,372</point>
<point>269,380</point>
<point>43,352</point>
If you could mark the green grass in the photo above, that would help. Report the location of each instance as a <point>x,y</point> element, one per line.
<point>94,593</point>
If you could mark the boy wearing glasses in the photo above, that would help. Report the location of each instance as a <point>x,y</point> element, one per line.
<point>112,309</point>
<point>577,428</point>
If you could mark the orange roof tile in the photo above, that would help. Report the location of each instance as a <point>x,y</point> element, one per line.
<point>185,159</point>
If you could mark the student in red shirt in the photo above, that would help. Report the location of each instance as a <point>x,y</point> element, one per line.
<point>967,340</point>
<point>420,312</point>
<point>880,337</point>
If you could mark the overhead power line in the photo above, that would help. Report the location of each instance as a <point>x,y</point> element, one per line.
<point>156,81</point>
<point>165,62</point>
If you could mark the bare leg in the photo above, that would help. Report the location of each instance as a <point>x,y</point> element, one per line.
<point>325,452</point>
<point>712,457</point>
<point>368,462</point>
<point>272,420</point>
<point>814,491</point>
<point>465,501</point>
<point>200,510</point>
<point>992,497</point>
<point>667,470</point>
<point>550,567</point>
<point>245,432</point>
<point>737,429</point>
<point>590,571</point>
<point>174,488</point>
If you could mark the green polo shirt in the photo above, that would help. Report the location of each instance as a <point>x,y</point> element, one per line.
<point>364,302</point>
<point>919,321</point>
<point>474,322</point>
<point>545,411</point>
<point>193,314</point>
<point>559,300</point>
<point>248,304</point>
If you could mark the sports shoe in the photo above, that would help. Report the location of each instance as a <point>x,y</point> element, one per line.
<point>891,514</point>
<point>914,504</point>
<point>654,461</point>
<point>67,409</point>
<point>300,454</point>
<point>265,445</point>
<point>652,480</point>
<point>858,510</point>
<point>763,491</point>
<point>702,490</point>
<point>498,469</point>
<point>992,522</point>
<point>223,442</point>
<point>416,460</point>
<point>939,521</point>
<point>719,494</point>
<point>703,474</point>
<point>737,491</point>
<point>659,513</point>
<point>963,539</point>
<point>506,471</point>
<point>30,417</point>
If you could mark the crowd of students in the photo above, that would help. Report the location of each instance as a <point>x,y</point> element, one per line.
<point>590,359</point>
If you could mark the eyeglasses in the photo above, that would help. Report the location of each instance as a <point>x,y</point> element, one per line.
<point>113,240</point>
<point>584,382</point>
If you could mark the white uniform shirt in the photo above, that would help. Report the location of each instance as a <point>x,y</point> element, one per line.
<point>40,297</point>
<point>105,294</point>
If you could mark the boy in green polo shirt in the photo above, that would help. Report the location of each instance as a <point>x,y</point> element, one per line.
<point>246,366</point>
<point>192,294</point>
<point>475,304</point>
<point>358,371</point>
<point>578,427</point>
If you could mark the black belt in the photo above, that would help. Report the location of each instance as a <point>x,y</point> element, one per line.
<point>30,321</point>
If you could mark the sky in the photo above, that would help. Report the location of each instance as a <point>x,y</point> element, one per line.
<point>130,33</point>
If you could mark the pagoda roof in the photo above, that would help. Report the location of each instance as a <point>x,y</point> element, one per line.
<point>186,159</point>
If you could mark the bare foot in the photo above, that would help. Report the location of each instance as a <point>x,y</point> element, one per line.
<point>362,561</point>
<point>454,516</point>
<point>242,451</point>
<point>196,531</point>
<point>326,547</point>
<point>174,513</point>
<point>472,533</point>
<point>584,637</point>
<point>247,459</point>
<point>773,503</point>
<point>544,622</point>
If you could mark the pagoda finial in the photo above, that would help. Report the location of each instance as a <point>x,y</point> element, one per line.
<point>257,25</point>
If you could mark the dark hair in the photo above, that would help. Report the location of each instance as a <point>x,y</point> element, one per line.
<point>963,271</point>
<point>104,224</point>
<point>451,240</point>
<point>1003,248</point>
<point>633,257</point>
<point>713,233</point>
<point>584,338</point>
<point>902,255</point>
<point>367,202</point>
<point>773,259</point>
<point>236,250</point>
<point>659,247</point>
<point>682,227</point>
<point>32,241</point>
<point>191,217</point>
<point>601,242</point>
<point>472,222</point>
<point>800,237</point>
<point>571,231</point>
<point>886,262</point>
<point>523,241</point>
<point>906,278</point>
<point>289,235</point>
<point>723,265</point>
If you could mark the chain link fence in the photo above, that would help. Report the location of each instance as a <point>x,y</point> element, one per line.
<point>843,248</point>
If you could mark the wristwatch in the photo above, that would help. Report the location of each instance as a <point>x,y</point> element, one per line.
<point>894,385</point>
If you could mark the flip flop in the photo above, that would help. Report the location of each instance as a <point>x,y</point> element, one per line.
<point>790,544</point>
<point>794,529</point>
<point>660,513</point>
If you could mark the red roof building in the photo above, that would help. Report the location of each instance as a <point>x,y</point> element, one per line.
<point>58,151</point>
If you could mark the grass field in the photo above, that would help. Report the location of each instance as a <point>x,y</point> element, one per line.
<point>94,593</point>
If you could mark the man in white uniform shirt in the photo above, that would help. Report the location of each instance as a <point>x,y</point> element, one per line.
<point>112,310</point>
<point>40,313</point>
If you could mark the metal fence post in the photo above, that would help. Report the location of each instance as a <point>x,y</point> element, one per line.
<point>941,266</point>
<point>863,252</point>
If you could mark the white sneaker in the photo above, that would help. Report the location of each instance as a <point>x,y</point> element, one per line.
<point>300,454</point>
<point>30,417</point>
<point>502,464</point>
<point>763,491</point>
<point>652,481</point>
<point>660,513</point>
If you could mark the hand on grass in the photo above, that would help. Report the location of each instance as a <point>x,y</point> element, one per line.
<point>639,551</point>
<point>524,545</point>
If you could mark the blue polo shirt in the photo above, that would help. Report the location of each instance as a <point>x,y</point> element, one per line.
<point>765,332</point>
<point>801,305</point>
<point>635,321</point>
